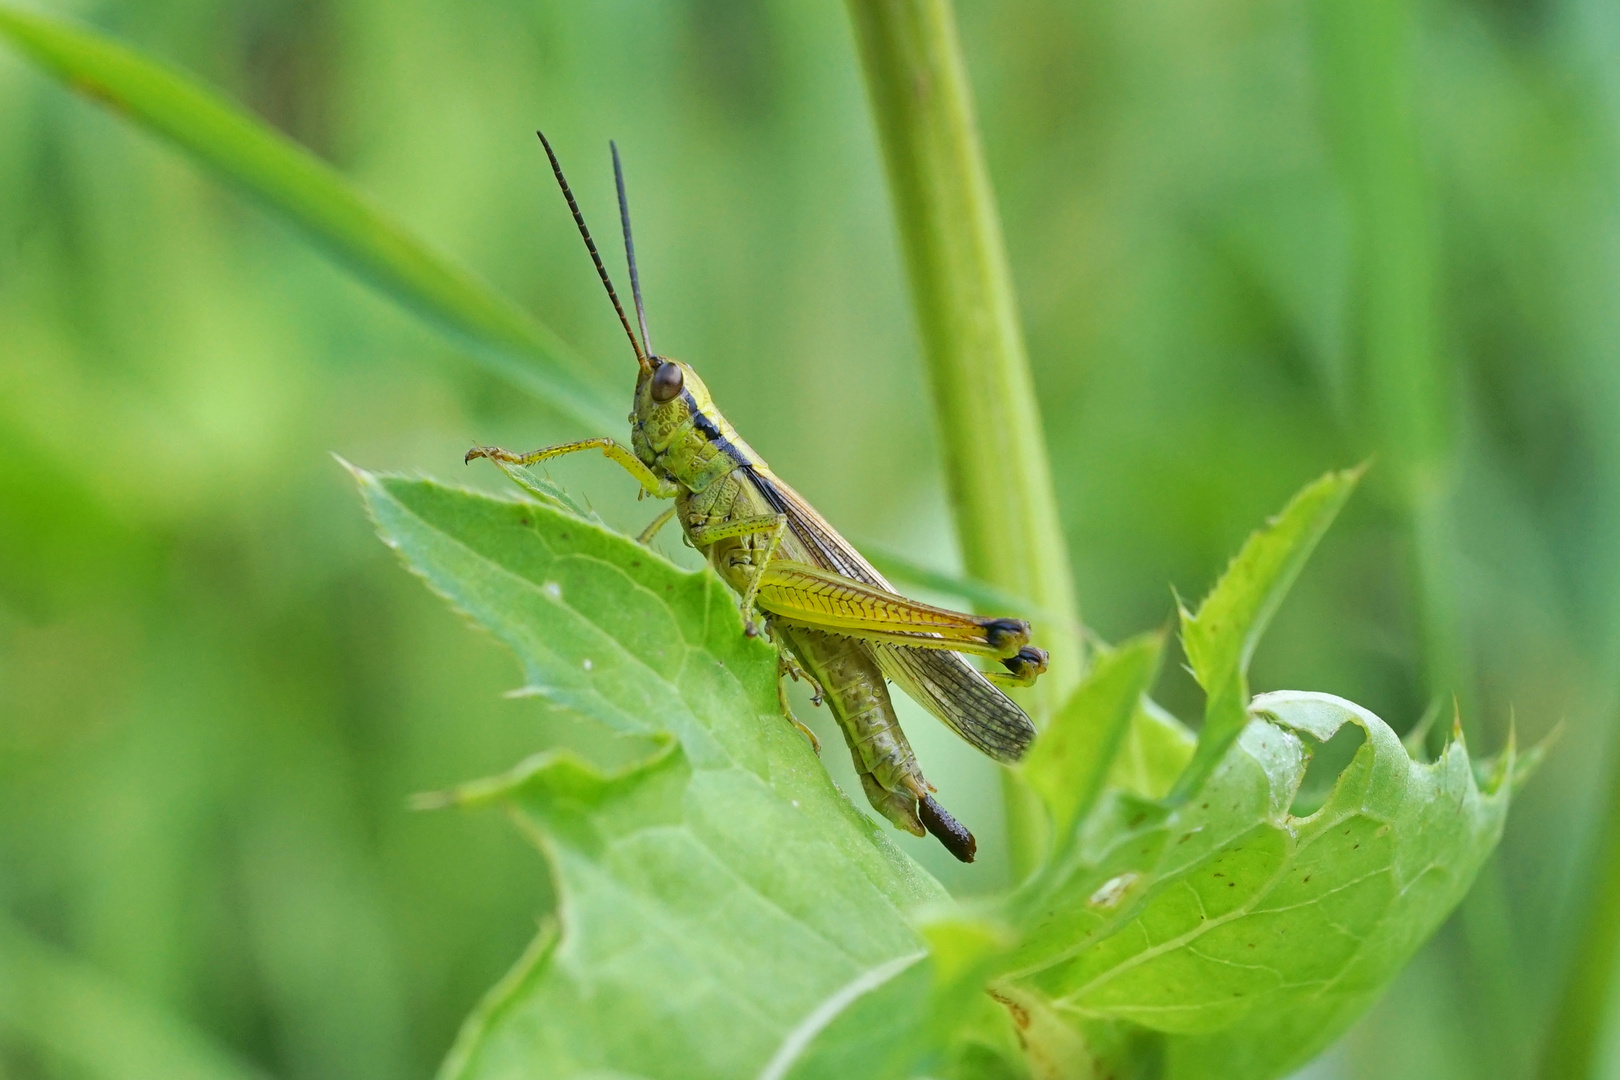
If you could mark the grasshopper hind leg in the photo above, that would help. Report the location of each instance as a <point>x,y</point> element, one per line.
<point>1023,668</point>
<point>900,807</point>
<point>947,830</point>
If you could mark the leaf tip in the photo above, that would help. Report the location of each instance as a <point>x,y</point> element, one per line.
<point>361,476</point>
<point>1525,764</point>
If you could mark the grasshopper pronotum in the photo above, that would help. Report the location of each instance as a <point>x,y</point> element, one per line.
<point>834,618</point>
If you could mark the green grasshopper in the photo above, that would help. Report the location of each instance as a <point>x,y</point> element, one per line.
<point>836,622</point>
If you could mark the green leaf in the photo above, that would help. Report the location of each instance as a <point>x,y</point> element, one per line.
<point>1073,756</point>
<point>1220,640</point>
<point>723,910</point>
<point>309,194</point>
<point>1222,936</point>
<point>1157,748</point>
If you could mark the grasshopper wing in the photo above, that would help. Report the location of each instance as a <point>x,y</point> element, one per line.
<point>963,700</point>
<point>942,682</point>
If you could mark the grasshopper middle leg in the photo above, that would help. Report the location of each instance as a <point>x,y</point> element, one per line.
<point>772,525</point>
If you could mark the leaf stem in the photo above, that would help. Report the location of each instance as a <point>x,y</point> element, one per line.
<point>961,288</point>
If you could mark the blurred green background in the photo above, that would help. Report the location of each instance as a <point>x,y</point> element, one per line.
<point>1254,239</point>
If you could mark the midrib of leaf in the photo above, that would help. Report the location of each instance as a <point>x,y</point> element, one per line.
<point>797,1041</point>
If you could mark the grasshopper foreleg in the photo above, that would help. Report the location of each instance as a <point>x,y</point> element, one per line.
<point>614,451</point>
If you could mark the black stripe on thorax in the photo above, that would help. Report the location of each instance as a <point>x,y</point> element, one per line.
<point>711,430</point>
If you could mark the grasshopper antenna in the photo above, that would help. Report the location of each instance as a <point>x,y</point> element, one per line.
<point>579,219</point>
<point>630,249</point>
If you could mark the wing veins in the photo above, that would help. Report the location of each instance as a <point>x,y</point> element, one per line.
<point>942,682</point>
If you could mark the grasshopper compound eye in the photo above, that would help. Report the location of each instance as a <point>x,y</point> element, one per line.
<point>667,382</point>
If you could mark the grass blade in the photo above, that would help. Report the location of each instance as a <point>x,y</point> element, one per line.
<point>297,186</point>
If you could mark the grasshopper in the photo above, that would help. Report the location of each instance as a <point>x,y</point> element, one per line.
<point>834,619</point>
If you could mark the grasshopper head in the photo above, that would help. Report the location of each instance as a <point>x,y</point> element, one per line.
<point>667,394</point>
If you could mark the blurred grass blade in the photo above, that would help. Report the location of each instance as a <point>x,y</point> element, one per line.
<point>65,1011</point>
<point>1574,1046</point>
<point>304,190</point>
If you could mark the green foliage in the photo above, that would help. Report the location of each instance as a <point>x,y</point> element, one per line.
<point>1073,757</point>
<point>717,892</point>
<point>1233,271</point>
<point>725,912</point>
<point>1246,937</point>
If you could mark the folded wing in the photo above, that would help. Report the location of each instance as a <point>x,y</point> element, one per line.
<point>940,681</point>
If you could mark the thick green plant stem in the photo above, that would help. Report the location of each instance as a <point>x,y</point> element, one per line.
<point>995,454</point>
<point>1576,1036</point>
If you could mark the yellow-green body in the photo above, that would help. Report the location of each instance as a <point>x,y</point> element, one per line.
<point>688,442</point>
<point>835,618</point>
